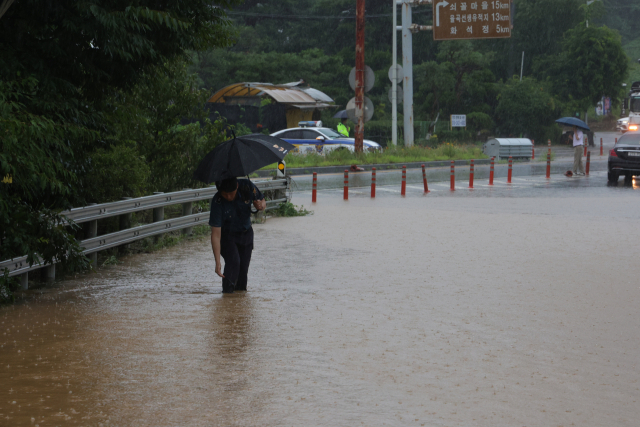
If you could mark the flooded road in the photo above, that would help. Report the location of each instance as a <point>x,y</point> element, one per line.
<point>510,306</point>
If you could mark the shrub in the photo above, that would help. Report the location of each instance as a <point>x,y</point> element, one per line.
<point>526,108</point>
<point>116,172</point>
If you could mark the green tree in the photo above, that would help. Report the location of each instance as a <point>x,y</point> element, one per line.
<point>592,64</point>
<point>526,108</point>
<point>459,82</point>
<point>60,62</point>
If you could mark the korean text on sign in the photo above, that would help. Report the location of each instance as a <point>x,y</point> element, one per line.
<point>471,19</point>
<point>458,121</point>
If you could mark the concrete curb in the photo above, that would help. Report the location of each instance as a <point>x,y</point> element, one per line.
<point>386,166</point>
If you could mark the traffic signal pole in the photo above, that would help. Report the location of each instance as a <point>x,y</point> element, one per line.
<point>359,133</point>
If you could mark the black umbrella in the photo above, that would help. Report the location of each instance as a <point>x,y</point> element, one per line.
<point>241,156</point>
<point>342,114</point>
<point>572,121</point>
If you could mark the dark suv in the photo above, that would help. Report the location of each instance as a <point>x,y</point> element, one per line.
<point>624,158</point>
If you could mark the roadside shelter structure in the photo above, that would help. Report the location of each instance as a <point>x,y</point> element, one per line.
<point>294,102</point>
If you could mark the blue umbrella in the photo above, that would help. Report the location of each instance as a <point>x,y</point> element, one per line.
<point>572,121</point>
<point>342,114</point>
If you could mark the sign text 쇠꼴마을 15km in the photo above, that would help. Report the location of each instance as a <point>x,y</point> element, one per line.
<point>471,19</point>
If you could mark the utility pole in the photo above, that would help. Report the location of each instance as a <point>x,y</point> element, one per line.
<point>407,65</point>
<point>408,29</point>
<point>359,133</point>
<point>394,80</point>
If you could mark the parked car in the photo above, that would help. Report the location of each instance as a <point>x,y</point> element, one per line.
<point>622,125</point>
<point>311,137</point>
<point>624,158</point>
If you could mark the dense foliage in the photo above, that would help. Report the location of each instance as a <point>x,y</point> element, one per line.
<point>76,79</point>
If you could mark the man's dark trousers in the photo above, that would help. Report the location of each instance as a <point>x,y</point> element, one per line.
<point>236,250</point>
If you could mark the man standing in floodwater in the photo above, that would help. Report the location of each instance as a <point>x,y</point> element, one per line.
<point>231,231</point>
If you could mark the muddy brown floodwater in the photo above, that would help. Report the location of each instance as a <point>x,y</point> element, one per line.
<point>437,311</point>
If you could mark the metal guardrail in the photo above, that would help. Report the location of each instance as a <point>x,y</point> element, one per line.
<point>105,210</point>
<point>17,266</point>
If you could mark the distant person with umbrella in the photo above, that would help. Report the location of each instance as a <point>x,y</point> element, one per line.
<point>578,149</point>
<point>230,217</point>
<point>343,128</point>
<point>578,142</point>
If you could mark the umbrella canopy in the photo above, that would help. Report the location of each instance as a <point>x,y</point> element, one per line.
<point>241,156</point>
<point>572,121</point>
<point>342,114</point>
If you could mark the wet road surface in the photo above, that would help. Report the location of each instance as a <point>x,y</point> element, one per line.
<point>507,306</point>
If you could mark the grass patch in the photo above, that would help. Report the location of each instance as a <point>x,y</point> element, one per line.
<point>445,151</point>
<point>289,209</point>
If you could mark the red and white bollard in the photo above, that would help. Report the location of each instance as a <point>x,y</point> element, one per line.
<point>424,180</point>
<point>403,187</point>
<point>346,184</point>
<point>601,148</point>
<point>453,176</point>
<point>549,145</point>
<point>616,140</point>
<point>491,171</point>
<point>314,187</point>
<point>548,165</point>
<point>533,149</point>
<point>471,170</point>
<point>586,140</point>
<point>510,173</point>
<point>588,163</point>
<point>373,183</point>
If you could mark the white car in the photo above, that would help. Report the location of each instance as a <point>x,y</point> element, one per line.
<point>312,139</point>
<point>623,125</point>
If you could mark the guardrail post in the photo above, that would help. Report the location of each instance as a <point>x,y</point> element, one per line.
<point>124,222</point>
<point>158,215</point>
<point>92,231</point>
<point>24,281</point>
<point>187,209</point>
<point>50,273</point>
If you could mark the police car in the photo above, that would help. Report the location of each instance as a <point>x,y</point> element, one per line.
<point>311,137</point>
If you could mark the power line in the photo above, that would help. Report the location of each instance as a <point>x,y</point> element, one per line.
<point>277,16</point>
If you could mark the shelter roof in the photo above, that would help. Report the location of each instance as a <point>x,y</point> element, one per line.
<point>290,93</point>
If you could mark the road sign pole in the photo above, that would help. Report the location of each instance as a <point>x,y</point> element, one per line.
<point>359,134</point>
<point>394,80</point>
<point>407,64</point>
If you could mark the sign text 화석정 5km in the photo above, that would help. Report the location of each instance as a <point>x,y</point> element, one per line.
<point>471,19</point>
